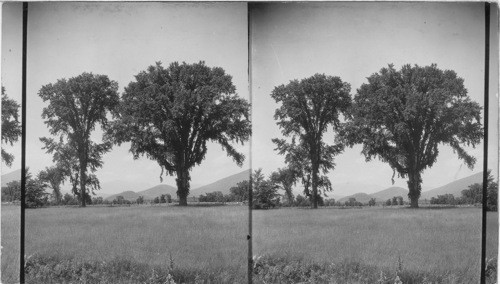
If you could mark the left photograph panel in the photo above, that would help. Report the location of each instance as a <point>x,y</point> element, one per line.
<point>137,143</point>
<point>11,76</point>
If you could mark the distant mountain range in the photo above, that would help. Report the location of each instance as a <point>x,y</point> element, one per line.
<point>225,184</point>
<point>360,196</point>
<point>158,190</point>
<point>379,196</point>
<point>390,192</point>
<point>8,177</point>
<point>148,194</point>
<point>112,187</point>
<point>222,185</point>
<point>454,188</point>
<point>347,188</point>
<point>128,195</point>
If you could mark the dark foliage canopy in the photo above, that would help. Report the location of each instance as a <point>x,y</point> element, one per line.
<point>35,195</point>
<point>76,106</point>
<point>12,191</point>
<point>240,192</point>
<point>65,157</point>
<point>474,193</point>
<point>170,114</point>
<point>54,177</point>
<point>401,116</point>
<point>264,192</point>
<point>11,128</point>
<point>285,179</point>
<point>297,157</point>
<point>310,105</point>
<point>307,108</point>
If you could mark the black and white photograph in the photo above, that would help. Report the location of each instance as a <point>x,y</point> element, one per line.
<point>367,150</point>
<point>137,143</point>
<point>249,142</point>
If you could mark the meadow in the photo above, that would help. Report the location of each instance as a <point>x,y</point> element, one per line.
<point>204,242</point>
<point>441,244</point>
<point>145,244</point>
<point>11,223</point>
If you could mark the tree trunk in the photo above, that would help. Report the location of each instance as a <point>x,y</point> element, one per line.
<point>414,186</point>
<point>182,181</point>
<point>315,169</point>
<point>82,150</point>
<point>57,193</point>
<point>83,178</point>
<point>289,195</point>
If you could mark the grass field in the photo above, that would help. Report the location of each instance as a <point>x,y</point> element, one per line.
<point>211,240</point>
<point>195,239</point>
<point>492,235</point>
<point>424,241</point>
<point>11,216</point>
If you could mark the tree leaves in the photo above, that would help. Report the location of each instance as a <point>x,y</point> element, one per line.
<point>310,105</point>
<point>170,114</point>
<point>11,128</point>
<point>76,106</point>
<point>407,113</point>
<point>54,176</point>
<point>402,116</point>
<point>307,108</point>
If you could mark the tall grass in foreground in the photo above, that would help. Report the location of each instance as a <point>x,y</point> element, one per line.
<point>287,270</point>
<point>11,224</point>
<point>161,245</point>
<point>492,246</point>
<point>433,242</point>
<point>42,269</point>
<point>492,235</point>
<point>204,241</point>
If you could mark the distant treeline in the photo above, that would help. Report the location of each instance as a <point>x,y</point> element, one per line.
<point>238,193</point>
<point>265,195</point>
<point>473,195</point>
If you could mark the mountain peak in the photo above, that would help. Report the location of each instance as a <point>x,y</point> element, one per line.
<point>454,187</point>
<point>8,177</point>
<point>222,185</point>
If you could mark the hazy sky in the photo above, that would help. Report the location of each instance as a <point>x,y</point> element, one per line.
<point>120,40</point>
<point>12,33</point>
<point>354,40</point>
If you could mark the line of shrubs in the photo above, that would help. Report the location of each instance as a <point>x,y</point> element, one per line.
<point>473,195</point>
<point>265,195</point>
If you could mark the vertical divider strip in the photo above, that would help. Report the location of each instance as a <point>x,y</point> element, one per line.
<point>485,139</point>
<point>23,142</point>
<point>250,190</point>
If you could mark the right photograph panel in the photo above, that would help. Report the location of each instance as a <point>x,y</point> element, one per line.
<point>367,142</point>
